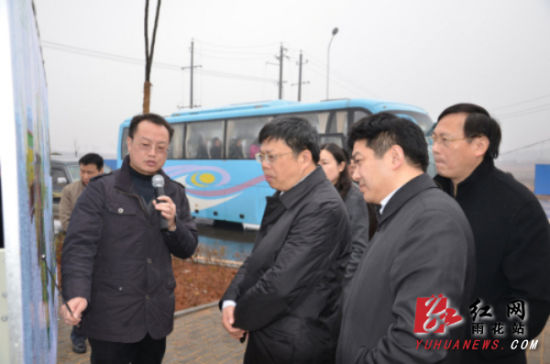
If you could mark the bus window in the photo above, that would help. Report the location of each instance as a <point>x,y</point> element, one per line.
<point>337,122</point>
<point>358,115</point>
<point>204,140</point>
<point>123,144</point>
<point>318,119</point>
<point>176,144</point>
<point>422,120</point>
<point>337,139</point>
<point>242,137</point>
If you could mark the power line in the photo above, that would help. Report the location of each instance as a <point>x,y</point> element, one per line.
<point>105,55</point>
<point>233,57</point>
<point>345,84</point>
<point>526,146</point>
<point>226,46</point>
<point>236,75</point>
<point>138,61</point>
<point>522,102</point>
<point>232,52</point>
<point>531,110</point>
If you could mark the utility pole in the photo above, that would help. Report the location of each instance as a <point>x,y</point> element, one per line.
<point>334,32</point>
<point>281,52</point>
<point>280,58</point>
<point>191,70</point>
<point>191,75</point>
<point>300,63</point>
<point>300,83</point>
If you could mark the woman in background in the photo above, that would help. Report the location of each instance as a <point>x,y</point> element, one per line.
<point>334,160</point>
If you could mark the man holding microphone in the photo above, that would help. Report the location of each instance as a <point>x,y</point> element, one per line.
<point>116,261</point>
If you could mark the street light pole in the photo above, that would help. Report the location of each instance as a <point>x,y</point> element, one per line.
<point>334,32</point>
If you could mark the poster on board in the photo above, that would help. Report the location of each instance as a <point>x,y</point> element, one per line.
<point>26,186</point>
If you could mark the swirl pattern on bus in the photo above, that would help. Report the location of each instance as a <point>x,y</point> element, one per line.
<point>202,184</point>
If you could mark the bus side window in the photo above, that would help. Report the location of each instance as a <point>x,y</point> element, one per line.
<point>176,144</point>
<point>341,122</point>
<point>359,114</point>
<point>123,145</point>
<point>319,120</point>
<point>204,140</point>
<point>242,137</point>
<point>337,122</point>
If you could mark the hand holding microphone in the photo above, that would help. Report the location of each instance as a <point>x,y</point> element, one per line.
<point>164,205</point>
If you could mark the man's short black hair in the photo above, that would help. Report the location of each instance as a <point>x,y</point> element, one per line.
<point>478,123</point>
<point>296,132</point>
<point>382,131</point>
<point>92,158</point>
<point>153,118</point>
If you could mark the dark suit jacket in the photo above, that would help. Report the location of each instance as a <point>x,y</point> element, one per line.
<point>423,247</point>
<point>287,291</point>
<point>359,224</point>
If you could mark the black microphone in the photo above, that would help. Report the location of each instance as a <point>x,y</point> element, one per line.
<point>158,185</point>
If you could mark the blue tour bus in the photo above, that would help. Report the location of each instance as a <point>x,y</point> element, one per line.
<point>212,150</point>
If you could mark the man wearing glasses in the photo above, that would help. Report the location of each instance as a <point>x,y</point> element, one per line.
<point>285,297</point>
<point>510,229</point>
<point>116,261</point>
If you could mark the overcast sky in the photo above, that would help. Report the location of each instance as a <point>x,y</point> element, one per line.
<point>430,53</point>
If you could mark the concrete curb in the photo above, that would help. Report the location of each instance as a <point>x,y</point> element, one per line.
<point>190,310</point>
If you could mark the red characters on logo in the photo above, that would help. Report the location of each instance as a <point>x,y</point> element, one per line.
<point>434,315</point>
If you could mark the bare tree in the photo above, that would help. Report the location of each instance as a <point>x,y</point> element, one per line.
<point>149,55</point>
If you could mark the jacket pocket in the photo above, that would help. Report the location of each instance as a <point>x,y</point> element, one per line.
<point>274,343</point>
<point>121,209</point>
<point>123,223</point>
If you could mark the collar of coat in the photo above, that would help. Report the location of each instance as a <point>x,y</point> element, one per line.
<point>278,204</point>
<point>296,193</point>
<point>484,168</point>
<point>405,193</point>
<point>123,179</point>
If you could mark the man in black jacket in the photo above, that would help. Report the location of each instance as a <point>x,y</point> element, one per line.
<point>412,286</point>
<point>286,294</point>
<point>116,262</point>
<point>512,291</point>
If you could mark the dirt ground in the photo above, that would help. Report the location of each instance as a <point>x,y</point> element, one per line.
<point>197,283</point>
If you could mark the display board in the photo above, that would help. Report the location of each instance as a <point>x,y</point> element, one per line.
<point>542,179</point>
<point>26,189</point>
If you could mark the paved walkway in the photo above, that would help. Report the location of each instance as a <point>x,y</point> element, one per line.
<point>199,338</point>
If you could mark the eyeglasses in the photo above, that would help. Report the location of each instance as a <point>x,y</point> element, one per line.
<point>146,147</point>
<point>269,158</point>
<point>444,140</point>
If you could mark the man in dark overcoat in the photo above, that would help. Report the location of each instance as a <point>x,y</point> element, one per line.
<point>117,260</point>
<point>285,297</point>
<point>512,291</point>
<point>414,282</point>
